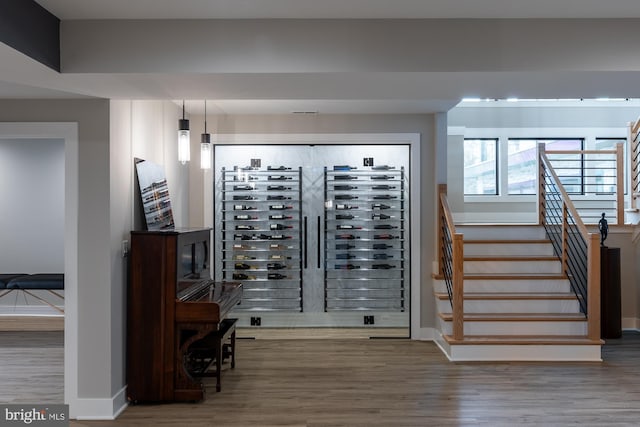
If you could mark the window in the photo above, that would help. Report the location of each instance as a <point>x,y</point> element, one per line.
<point>522,164</point>
<point>605,170</point>
<point>480,166</point>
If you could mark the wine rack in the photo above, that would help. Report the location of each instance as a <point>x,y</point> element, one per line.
<point>261,236</point>
<point>364,238</point>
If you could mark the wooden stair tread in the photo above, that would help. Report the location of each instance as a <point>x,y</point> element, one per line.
<point>512,276</point>
<point>517,317</point>
<point>512,296</point>
<point>511,258</point>
<point>501,241</point>
<point>523,340</point>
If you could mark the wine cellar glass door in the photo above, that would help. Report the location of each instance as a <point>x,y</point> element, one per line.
<point>318,235</point>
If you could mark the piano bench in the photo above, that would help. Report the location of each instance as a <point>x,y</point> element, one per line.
<point>216,347</point>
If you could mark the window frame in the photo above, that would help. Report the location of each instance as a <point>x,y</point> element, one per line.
<point>496,141</point>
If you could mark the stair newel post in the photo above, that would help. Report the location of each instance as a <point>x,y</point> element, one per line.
<point>458,287</point>
<point>593,286</point>
<point>620,184</point>
<point>541,186</point>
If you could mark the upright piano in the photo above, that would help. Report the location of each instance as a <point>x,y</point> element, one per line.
<point>172,304</point>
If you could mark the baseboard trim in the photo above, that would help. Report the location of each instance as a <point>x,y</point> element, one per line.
<point>424,334</point>
<point>99,409</point>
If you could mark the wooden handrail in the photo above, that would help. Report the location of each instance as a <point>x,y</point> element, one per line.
<point>457,267</point>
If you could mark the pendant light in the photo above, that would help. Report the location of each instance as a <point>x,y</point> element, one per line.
<point>184,149</point>
<point>205,144</point>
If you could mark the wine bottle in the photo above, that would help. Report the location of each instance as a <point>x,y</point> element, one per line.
<point>276,276</point>
<point>243,208</point>
<point>382,266</point>
<point>238,246</point>
<point>264,236</point>
<point>279,226</point>
<point>244,198</point>
<point>345,197</point>
<point>380,206</point>
<point>278,178</point>
<point>384,227</point>
<point>241,266</point>
<point>279,256</point>
<point>344,177</point>
<point>383,187</point>
<point>381,246</point>
<point>275,266</point>
<point>347,267</point>
<point>344,187</point>
<point>245,178</point>
<point>245,227</point>
<point>382,168</point>
<point>381,216</point>
<point>345,256</point>
<point>343,216</point>
<point>242,276</point>
<point>343,246</point>
<point>382,177</point>
<point>384,197</point>
<point>279,237</point>
<point>277,188</point>
<point>244,217</point>
<point>243,257</point>
<point>345,237</point>
<point>344,168</point>
<point>277,168</point>
<point>382,256</point>
<point>279,197</point>
<point>281,247</point>
<point>345,207</point>
<point>241,237</point>
<point>347,227</point>
<point>384,236</point>
<point>280,217</point>
<point>279,207</point>
<point>243,187</point>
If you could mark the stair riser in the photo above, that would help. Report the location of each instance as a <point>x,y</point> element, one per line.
<point>509,286</point>
<point>513,306</point>
<point>529,352</point>
<point>512,267</point>
<point>508,249</point>
<point>529,328</point>
<point>480,232</point>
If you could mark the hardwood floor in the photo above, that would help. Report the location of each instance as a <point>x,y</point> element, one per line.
<point>358,382</point>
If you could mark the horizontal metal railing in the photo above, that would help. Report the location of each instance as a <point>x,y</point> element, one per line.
<point>577,249</point>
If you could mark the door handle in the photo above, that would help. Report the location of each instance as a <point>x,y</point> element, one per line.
<point>306,239</point>
<point>318,249</point>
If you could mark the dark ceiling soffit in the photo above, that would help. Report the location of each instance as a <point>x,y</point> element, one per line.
<point>31,29</point>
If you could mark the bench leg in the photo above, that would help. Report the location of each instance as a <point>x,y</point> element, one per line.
<point>219,346</point>
<point>42,300</point>
<point>233,349</point>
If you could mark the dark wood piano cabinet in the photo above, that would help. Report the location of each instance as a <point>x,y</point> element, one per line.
<point>171,303</point>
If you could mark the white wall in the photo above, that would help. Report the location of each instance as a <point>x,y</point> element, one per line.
<point>32,206</point>
<point>147,130</point>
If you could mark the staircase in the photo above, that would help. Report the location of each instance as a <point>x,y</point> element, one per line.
<point>518,304</point>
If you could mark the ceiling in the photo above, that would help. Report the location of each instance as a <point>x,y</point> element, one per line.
<point>322,9</point>
<point>21,77</point>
